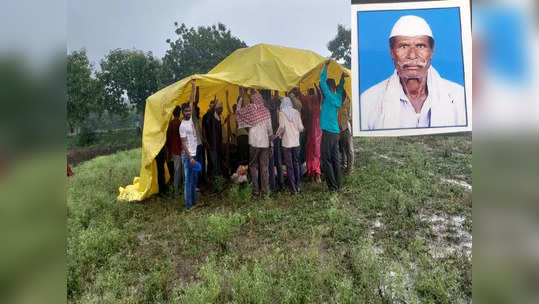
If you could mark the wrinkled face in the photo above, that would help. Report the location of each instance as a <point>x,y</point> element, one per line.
<point>412,56</point>
<point>187,113</point>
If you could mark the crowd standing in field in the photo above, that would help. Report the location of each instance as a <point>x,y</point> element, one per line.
<point>271,138</point>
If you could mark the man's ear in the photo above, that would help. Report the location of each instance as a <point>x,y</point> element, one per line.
<point>391,53</point>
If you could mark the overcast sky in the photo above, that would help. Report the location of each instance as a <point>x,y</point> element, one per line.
<point>103,25</point>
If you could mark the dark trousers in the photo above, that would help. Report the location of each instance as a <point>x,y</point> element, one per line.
<point>201,158</point>
<point>215,159</point>
<point>302,148</point>
<point>233,160</point>
<point>190,177</point>
<point>276,161</point>
<point>243,149</point>
<point>331,167</point>
<point>160,159</point>
<point>258,165</point>
<point>291,159</point>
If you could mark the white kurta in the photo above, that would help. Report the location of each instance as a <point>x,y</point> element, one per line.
<point>385,105</point>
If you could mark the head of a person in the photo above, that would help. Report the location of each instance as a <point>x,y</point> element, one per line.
<point>331,84</point>
<point>411,45</point>
<point>257,99</point>
<point>266,94</point>
<point>234,108</point>
<point>186,109</point>
<point>176,112</point>
<point>311,91</point>
<point>286,102</point>
<point>218,107</point>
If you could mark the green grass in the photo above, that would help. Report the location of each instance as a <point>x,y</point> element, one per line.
<point>369,243</point>
<point>128,138</point>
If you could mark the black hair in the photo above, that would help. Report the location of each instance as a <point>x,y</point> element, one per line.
<point>392,42</point>
<point>185,105</point>
<point>176,111</point>
<point>311,91</point>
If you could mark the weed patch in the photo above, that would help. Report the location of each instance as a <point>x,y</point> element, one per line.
<point>372,242</point>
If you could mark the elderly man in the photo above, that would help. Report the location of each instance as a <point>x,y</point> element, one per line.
<point>415,96</point>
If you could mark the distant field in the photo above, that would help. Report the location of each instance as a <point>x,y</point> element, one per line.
<point>101,143</point>
<point>398,232</point>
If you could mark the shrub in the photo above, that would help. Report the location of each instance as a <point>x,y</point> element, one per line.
<point>221,229</point>
<point>239,194</point>
<point>204,292</point>
<point>86,137</point>
<point>253,286</point>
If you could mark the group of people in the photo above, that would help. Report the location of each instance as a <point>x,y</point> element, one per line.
<point>297,136</point>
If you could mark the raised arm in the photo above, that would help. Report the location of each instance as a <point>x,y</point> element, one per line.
<point>297,91</point>
<point>192,96</point>
<point>240,97</point>
<point>197,96</point>
<point>340,88</point>
<point>227,105</point>
<point>318,93</point>
<point>323,79</point>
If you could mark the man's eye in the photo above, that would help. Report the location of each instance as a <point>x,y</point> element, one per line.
<point>421,46</point>
<point>403,46</point>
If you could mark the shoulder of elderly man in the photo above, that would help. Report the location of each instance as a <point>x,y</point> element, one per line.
<point>371,99</point>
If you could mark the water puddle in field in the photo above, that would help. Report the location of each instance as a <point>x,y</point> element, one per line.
<point>450,235</point>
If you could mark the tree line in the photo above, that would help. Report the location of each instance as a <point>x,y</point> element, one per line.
<point>127,77</point>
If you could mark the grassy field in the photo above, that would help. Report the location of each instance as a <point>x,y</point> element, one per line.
<point>398,232</point>
<point>101,143</point>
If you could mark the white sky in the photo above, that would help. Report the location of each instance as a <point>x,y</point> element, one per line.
<point>103,25</point>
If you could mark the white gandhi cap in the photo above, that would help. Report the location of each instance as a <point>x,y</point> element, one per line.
<point>411,26</point>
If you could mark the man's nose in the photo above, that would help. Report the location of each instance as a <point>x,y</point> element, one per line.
<point>412,53</point>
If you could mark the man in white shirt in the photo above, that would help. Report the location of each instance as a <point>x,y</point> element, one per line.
<point>257,118</point>
<point>415,96</point>
<point>188,136</point>
<point>290,126</point>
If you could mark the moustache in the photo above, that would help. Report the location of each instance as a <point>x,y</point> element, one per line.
<point>419,63</point>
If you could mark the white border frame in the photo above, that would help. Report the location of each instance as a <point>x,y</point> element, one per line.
<point>466,27</point>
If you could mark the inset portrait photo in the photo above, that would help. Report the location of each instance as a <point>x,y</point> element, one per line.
<point>411,68</point>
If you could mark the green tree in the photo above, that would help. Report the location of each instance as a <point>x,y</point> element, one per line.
<point>84,93</point>
<point>197,50</point>
<point>128,72</point>
<point>340,46</point>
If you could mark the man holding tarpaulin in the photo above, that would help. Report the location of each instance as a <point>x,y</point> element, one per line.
<point>330,128</point>
<point>188,136</point>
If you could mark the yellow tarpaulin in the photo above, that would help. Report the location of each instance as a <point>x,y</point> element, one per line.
<point>262,66</point>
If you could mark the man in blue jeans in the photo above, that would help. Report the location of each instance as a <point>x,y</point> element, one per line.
<point>330,128</point>
<point>188,136</point>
